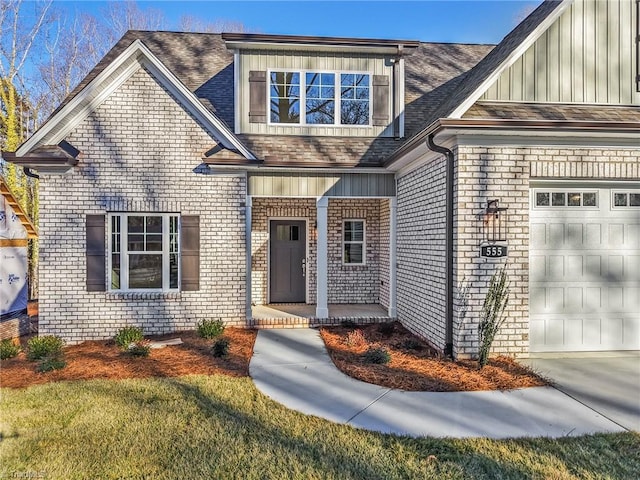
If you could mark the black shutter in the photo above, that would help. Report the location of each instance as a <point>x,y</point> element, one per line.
<point>96,253</point>
<point>257,97</point>
<point>380,100</point>
<point>190,252</point>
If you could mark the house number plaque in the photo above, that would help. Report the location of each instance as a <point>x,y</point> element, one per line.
<point>493,251</point>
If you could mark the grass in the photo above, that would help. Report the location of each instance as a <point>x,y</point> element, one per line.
<point>221,427</point>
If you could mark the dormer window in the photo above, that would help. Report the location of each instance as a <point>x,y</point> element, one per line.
<point>317,92</point>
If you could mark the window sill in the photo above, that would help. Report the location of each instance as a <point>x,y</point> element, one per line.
<point>114,295</point>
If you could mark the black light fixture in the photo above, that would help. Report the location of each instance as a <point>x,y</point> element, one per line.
<point>495,222</point>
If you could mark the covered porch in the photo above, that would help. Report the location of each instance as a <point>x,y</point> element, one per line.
<point>321,248</point>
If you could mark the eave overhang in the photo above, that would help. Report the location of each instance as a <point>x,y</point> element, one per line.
<point>246,41</point>
<point>55,159</point>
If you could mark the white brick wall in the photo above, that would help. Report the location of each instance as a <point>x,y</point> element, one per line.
<point>346,283</point>
<point>139,151</point>
<point>421,252</point>
<point>481,173</point>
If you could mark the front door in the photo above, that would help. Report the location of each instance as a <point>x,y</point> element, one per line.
<point>288,244</point>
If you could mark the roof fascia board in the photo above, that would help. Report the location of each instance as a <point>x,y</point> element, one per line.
<point>510,60</point>
<point>271,169</point>
<point>173,84</point>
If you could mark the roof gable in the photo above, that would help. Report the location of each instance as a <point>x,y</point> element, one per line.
<point>105,79</point>
<point>586,56</point>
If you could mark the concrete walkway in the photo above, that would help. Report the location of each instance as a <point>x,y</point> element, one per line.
<point>293,368</point>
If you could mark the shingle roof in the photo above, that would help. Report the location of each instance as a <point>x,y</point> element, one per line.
<point>547,111</point>
<point>203,63</point>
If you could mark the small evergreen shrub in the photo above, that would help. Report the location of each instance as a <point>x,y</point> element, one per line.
<point>377,355</point>
<point>210,328</point>
<point>8,349</point>
<point>355,338</point>
<point>386,328</point>
<point>141,348</point>
<point>492,316</point>
<point>49,364</point>
<point>220,348</point>
<point>128,335</point>
<point>412,344</point>
<point>45,346</point>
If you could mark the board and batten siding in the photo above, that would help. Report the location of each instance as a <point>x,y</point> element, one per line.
<point>587,56</point>
<point>265,60</point>
<point>320,184</point>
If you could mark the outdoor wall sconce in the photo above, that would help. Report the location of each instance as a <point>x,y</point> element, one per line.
<point>495,222</point>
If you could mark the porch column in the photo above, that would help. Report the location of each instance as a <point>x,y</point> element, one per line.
<point>322,308</point>
<point>393,313</point>
<point>248,205</point>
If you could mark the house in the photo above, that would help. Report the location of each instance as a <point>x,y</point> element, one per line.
<point>15,230</point>
<point>195,176</point>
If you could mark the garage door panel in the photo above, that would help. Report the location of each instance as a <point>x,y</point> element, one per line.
<point>594,234</point>
<point>584,279</point>
<point>538,268</point>
<point>593,301</point>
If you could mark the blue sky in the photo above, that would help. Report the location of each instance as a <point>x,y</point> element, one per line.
<point>467,21</point>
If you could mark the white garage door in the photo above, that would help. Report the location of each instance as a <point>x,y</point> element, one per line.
<point>584,268</point>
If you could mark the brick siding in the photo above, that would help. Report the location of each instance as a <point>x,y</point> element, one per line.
<point>140,153</point>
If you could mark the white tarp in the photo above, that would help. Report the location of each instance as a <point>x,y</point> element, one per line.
<point>13,262</point>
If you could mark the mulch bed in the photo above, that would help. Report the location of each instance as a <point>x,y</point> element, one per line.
<point>415,366</point>
<point>103,359</point>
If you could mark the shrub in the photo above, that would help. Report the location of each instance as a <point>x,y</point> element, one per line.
<point>8,349</point>
<point>49,364</point>
<point>386,328</point>
<point>141,348</point>
<point>220,348</point>
<point>377,355</point>
<point>128,335</point>
<point>355,338</point>
<point>492,316</point>
<point>412,344</point>
<point>45,346</point>
<point>210,328</point>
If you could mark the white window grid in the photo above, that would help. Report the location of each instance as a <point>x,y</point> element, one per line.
<point>363,242</point>
<point>303,98</point>
<point>630,196</point>
<point>567,201</point>
<point>118,244</point>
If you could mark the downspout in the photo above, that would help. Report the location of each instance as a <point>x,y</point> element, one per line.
<point>449,252</point>
<point>29,173</point>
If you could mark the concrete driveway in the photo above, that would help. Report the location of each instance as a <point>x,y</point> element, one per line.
<point>607,383</point>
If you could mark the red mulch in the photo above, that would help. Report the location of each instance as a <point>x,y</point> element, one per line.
<point>103,359</point>
<point>415,366</point>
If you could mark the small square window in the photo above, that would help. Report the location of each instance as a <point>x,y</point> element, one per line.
<point>620,200</point>
<point>574,199</point>
<point>589,199</point>
<point>542,199</point>
<point>634,199</point>
<point>558,199</point>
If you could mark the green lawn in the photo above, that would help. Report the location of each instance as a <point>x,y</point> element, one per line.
<point>218,427</point>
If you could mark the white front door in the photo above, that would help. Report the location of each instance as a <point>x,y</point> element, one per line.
<point>584,268</point>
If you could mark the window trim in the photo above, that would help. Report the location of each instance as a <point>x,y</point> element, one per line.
<point>124,252</point>
<point>551,191</point>
<point>303,98</point>
<point>363,242</point>
<point>628,206</point>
